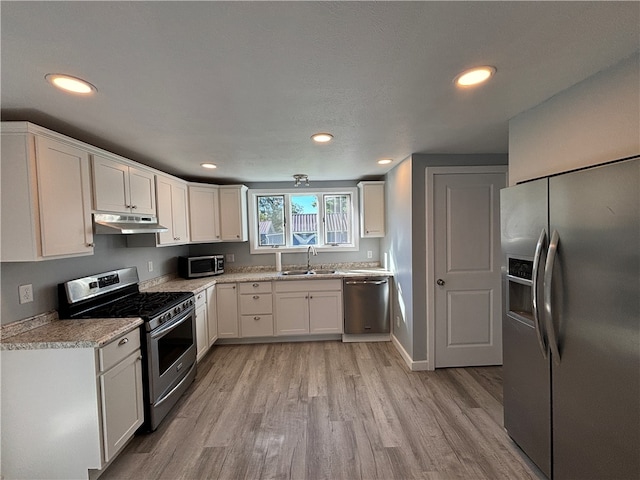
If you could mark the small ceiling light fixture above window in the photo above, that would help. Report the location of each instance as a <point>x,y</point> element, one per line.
<point>208,165</point>
<point>321,137</point>
<point>384,161</point>
<point>475,76</point>
<point>299,177</point>
<point>70,84</point>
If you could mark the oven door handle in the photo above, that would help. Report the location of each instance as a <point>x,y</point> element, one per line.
<point>159,332</point>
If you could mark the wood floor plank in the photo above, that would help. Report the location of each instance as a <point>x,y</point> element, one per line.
<point>328,410</point>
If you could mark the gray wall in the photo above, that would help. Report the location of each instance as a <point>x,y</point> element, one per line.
<point>595,121</point>
<point>406,205</point>
<point>110,252</point>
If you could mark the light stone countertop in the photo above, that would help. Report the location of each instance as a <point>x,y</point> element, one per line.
<point>86,333</point>
<point>197,285</point>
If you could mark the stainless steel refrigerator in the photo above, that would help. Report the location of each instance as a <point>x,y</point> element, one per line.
<point>571,322</point>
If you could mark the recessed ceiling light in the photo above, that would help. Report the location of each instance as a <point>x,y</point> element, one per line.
<point>70,84</point>
<point>322,137</point>
<point>208,165</point>
<point>474,76</point>
<point>385,161</point>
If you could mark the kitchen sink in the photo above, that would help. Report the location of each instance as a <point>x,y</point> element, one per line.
<point>323,272</point>
<point>298,272</point>
<point>308,272</point>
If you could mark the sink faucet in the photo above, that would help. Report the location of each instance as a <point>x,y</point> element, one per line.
<point>310,250</point>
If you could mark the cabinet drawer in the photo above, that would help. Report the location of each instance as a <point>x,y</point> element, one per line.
<point>256,325</point>
<point>309,285</point>
<point>255,287</point>
<point>258,303</point>
<point>119,349</point>
<point>201,299</point>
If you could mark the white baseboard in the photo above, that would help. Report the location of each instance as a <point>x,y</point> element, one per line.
<point>414,366</point>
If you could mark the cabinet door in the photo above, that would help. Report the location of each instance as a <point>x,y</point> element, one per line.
<point>372,209</point>
<point>204,214</point>
<point>110,185</point>
<point>292,313</point>
<point>172,211</point>
<point>202,334</point>
<point>212,314</point>
<point>233,214</point>
<point>325,312</point>
<point>165,212</point>
<point>64,198</point>
<point>142,191</point>
<point>180,213</point>
<point>227,308</point>
<point>122,407</point>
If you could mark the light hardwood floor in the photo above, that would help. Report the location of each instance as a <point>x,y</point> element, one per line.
<point>328,410</point>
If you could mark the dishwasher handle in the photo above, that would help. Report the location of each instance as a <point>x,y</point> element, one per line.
<point>365,282</point>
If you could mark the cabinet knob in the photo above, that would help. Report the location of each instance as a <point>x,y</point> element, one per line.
<point>440,282</point>
<point>90,245</point>
<point>237,236</point>
<point>127,206</point>
<point>123,341</point>
<point>255,285</point>
<point>255,297</point>
<point>134,206</point>
<point>256,318</point>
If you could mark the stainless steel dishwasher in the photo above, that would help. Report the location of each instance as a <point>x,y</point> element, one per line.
<point>366,305</point>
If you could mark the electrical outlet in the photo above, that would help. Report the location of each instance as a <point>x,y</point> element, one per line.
<point>369,254</point>
<point>26,293</point>
<point>150,266</point>
<point>230,257</point>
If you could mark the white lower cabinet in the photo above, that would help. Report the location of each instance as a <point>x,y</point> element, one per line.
<point>202,325</point>
<point>69,410</point>
<point>120,392</point>
<point>308,307</point>
<point>256,309</point>
<point>227,309</point>
<point>212,314</point>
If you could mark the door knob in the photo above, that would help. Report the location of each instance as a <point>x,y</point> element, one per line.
<point>440,282</point>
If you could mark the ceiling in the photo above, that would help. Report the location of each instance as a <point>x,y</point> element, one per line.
<point>245,84</point>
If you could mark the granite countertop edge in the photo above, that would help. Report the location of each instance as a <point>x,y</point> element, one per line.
<point>61,334</point>
<point>198,285</point>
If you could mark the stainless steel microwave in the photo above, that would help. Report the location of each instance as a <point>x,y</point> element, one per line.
<point>202,266</point>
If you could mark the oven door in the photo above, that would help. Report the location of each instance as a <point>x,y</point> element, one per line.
<point>172,352</point>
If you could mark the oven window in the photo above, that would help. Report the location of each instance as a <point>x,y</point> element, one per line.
<point>175,343</point>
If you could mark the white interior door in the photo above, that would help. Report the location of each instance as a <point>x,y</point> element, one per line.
<point>465,283</point>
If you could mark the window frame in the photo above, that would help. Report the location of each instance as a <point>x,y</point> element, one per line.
<point>254,230</point>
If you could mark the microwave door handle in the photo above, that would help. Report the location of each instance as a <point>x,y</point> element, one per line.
<point>534,280</point>
<point>548,279</point>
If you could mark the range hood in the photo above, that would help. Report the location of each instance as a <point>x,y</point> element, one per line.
<point>113,224</point>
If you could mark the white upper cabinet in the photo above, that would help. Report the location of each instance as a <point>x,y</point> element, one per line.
<point>371,209</point>
<point>172,210</point>
<point>123,188</point>
<point>46,195</point>
<point>204,212</point>
<point>233,213</point>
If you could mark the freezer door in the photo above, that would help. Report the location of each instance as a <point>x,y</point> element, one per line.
<point>526,373</point>
<point>595,304</point>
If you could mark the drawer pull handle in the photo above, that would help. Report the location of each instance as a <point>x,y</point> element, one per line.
<point>256,318</point>
<point>255,297</point>
<point>123,341</point>
<point>256,285</point>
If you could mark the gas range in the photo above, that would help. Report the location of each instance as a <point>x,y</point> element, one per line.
<point>116,294</point>
<point>169,348</point>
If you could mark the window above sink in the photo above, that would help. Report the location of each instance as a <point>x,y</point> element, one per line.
<point>291,220</point>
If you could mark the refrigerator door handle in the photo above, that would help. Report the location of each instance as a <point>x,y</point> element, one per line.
<point>534,280</point>
<point>548,277</point>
